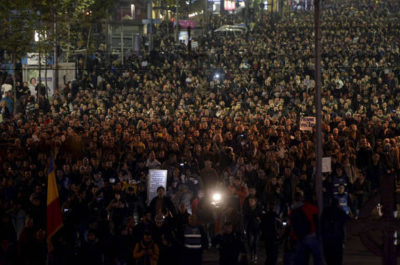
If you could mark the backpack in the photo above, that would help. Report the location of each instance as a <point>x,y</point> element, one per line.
<point>300,224</point>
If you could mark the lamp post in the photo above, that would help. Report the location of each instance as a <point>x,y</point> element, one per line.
<point>177,23</point>
<point>318,145</point>
<point>205,17</point>
<point>55,61</point>
<point>150,25</point>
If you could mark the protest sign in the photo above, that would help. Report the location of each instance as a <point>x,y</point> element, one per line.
<point>307,123</point>
<point>155,179</point>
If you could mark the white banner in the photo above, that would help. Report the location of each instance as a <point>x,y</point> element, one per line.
<point>155,179</point>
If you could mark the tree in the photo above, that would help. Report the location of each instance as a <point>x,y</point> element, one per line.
<point>21,18</point>
<point>75,20</point>
<point>17,18</point>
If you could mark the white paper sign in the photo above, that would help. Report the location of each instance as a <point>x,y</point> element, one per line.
<point>326,164</point>
<point>155,179</point>
<point>307,123</point>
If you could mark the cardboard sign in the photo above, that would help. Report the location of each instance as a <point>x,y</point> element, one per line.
<point>155,179</point>
<point>307,123</point>
<point>326,164</point>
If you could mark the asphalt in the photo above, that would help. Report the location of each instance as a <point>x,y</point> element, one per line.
<point>354,254</point>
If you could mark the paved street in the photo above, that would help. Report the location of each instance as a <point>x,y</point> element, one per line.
<point>355,254</point>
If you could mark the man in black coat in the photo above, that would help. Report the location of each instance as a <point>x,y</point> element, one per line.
<point>162,205</point>
<point>271,226</point>
<point>333,222</point>
<point>90,251</point>
<point>231,246</point>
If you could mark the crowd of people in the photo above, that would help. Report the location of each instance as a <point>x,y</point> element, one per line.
<point>224,118</point>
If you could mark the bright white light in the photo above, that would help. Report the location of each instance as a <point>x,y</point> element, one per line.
<point>217,197</point>
<point>195,14</point>
<point>39,37</point>
<point>217,76</point>
<point>36,36</point>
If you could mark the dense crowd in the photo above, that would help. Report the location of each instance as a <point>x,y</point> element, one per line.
<point>225,118</point>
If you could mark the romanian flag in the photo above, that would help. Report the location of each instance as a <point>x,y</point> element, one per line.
<point>54,217</point>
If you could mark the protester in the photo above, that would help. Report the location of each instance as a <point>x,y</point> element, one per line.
<point>146,252</point>
<point>194,242</point>
<point>224,118</point>
<point>333,222</point>
<point>252,221</point>
<point>272,229</point>
<point>231,247</point>
<point>304,227</point>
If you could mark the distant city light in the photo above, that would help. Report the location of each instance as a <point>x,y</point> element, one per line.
<point>38,37</point>
<point>195,14</point>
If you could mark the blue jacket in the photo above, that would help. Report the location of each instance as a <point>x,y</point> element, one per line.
<point>9,103</point>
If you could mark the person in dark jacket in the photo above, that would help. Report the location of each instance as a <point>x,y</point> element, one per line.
<point>146,224</point>
<point>182,218</point>
<point>271,227</point>
<point>146,252</point>
<point>91,252</point>
<point>164,237</point>
<point>194,242</point>
<point>333,221</point>
<point>162,204</point>
<point>252,220</point>
<point>303,220</point>
<point>231,247</point>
